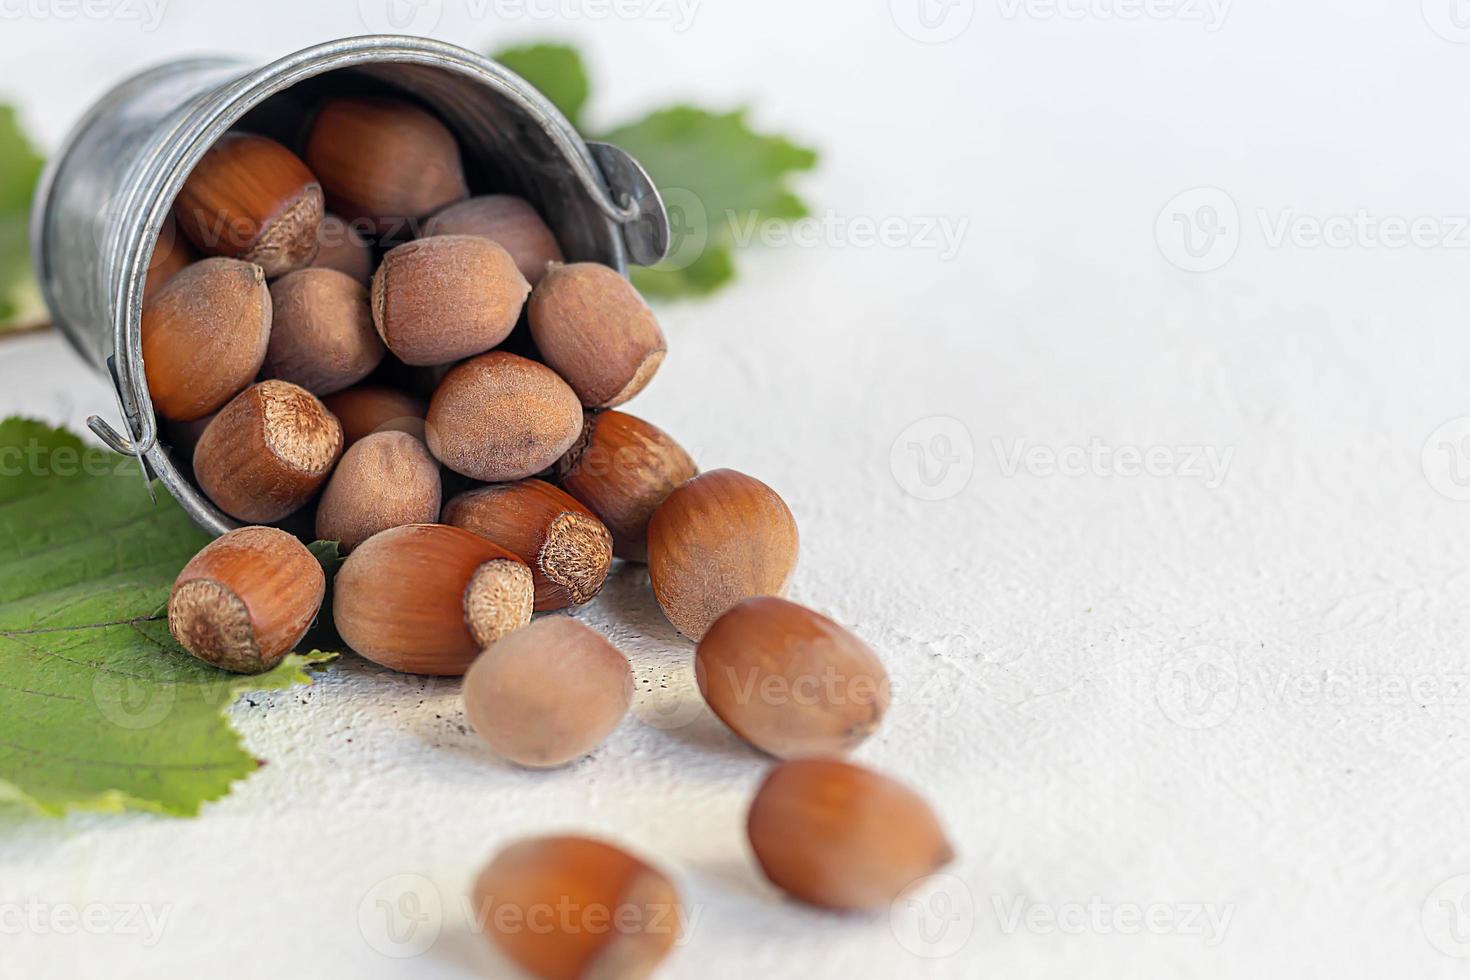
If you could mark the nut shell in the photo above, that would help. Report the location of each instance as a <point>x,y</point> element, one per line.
<point>499,417</point>
<point>426,598</point>
<point>437,300</point>
<point>322,334</point>
<point>251,198</point>
<point>267,452</point>
<point>591,325</point>
<point>171,253</point>
<point>568,548</point>
<point>365,409</point>
<point>387,479</point>
<point>509,222</point>
<point>839,836</point>
<point>717,540</point>
<point>622,468</point>
<point>340,246</point>
<point>549,693</point>
<point>205,333</point>
<point>574,908</point>
<point>246,600</point>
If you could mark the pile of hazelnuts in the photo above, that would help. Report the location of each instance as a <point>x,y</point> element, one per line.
<point>348,329</point>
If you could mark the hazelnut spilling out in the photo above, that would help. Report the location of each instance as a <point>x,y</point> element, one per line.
<point>839,836</point>
<point>427,598</point>
<point>718,539</point>
<point>205,334</point>
<point>568,548</point>
<point>499,417</point>
<point>790,681</point>
<point>251,198</point>
<point>267,452</point>
<point>591,325</point>
<point>322,335</point>
<point>508,221</point>
<point>549,693</point>
<point>622,468</point>
<point>387,479</point>
<point>246,600</point>
<point>575,908</point>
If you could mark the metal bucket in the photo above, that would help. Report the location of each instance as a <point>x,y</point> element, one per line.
<point>106,194</point>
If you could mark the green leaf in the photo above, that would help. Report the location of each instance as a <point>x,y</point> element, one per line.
<point>555,69</point>
<point>20,169</point>
<point>99,708</point>
<point>720,181</point>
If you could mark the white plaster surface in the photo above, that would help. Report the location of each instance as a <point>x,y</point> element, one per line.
<point>1209,720</point>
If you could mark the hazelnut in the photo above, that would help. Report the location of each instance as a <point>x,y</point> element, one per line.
<point>567,547</point>
<point>384,480</point>
<point>499,417</point>
<point>790,681</point>
<point>384,160</point>
<point>508,221</point>
<point>267,452</point>
<point>437,300</point>
<point>322,335</point>
<point>548,693</point>
<point>251,198</point>
<point>591,325</point>
<point>839,836</point>
<point>718,539</point>
<point>574,908</point>
<point>622,468</point>
<point>171,253</point>
<point>426,598</point>
<point>246,600</point>
<point>366,409</point>
<point>341,247</point>
<point>205,333</point>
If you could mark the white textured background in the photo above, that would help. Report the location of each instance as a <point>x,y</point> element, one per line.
<point>1213,718</point>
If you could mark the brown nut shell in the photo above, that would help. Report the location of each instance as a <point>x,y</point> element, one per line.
<point>205,333</point>
<point>437,300</point>
<point>790,681</point>
<point>385,161</point>
<point>591,325</point>
<point>342,247</point>
<point>508,221</point>
<point>251,198</point>
<point>622,468</point>
<point>499,417</point>
<point>839,836</point>
<point>365,409</point>
<point>246,600</point>
<point>717,540</point>
<point>384,480</point>
<point>574,908</point>
<point>568,548</point>
<point>171,253</point>
<point>322,334</point>
<point>549,693</point>
<point>267,452</point>
<point>427,598</point>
